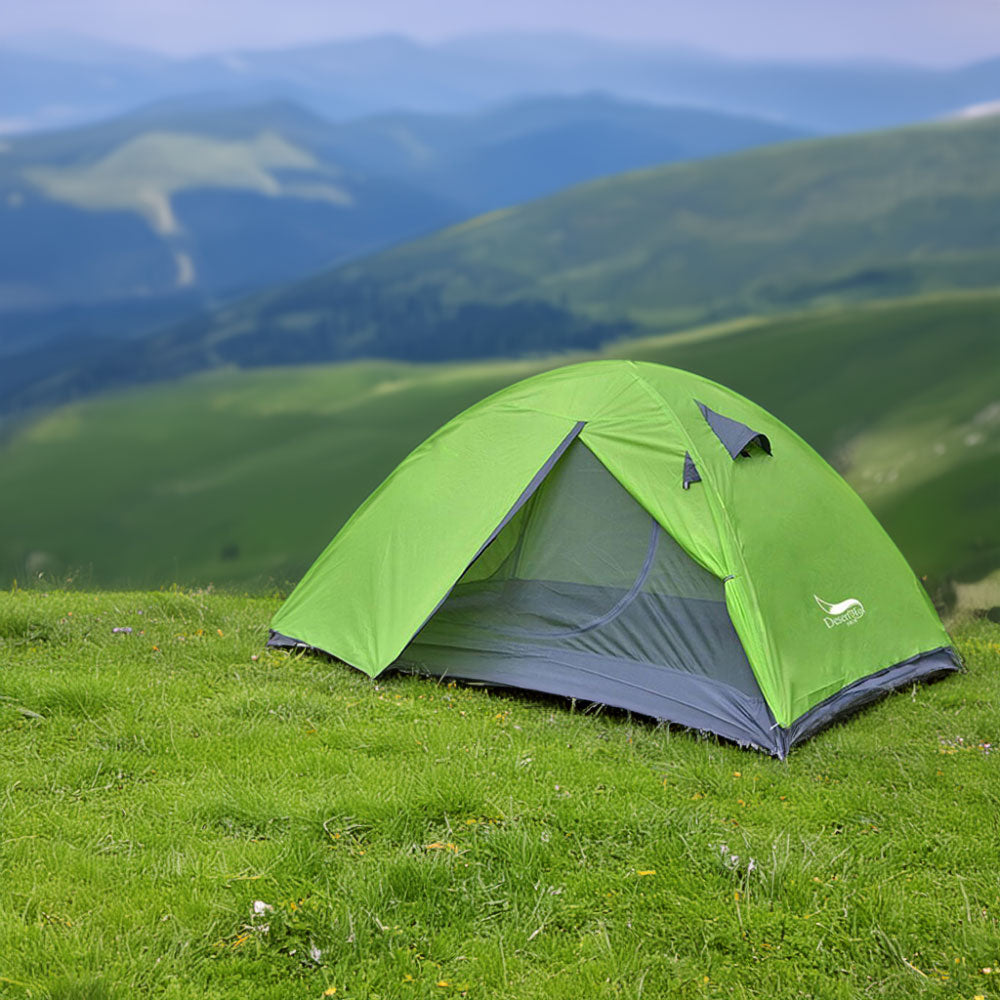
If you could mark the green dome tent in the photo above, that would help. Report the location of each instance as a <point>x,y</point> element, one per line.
<point>630,534</point>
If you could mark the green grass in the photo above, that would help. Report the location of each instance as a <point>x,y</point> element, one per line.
<point>244,476</point>
<point>439,841</point>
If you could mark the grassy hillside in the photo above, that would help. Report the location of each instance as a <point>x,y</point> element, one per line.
<point>188,814</point>
<point>775,229</point>
<point>862,216</point>
<point>180,196</point>
<point>243,476</point>
<point>162,202</point>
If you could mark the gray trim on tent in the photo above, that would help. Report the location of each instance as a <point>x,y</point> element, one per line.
<point>278,641</point>
<point>676,696</point>
<point>734,436</point>
<point>924,667</point>
<point>670,695</point>
<point>691,474</point>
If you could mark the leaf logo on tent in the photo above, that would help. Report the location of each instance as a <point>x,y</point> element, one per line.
<point>845,612</point>
<point>837,609</point>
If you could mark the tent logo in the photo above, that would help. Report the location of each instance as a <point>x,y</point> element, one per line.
<point>843,613</point>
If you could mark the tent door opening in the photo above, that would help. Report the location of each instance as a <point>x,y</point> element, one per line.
<point>583,586</point>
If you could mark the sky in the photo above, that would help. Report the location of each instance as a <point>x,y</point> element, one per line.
<point>937,32</point>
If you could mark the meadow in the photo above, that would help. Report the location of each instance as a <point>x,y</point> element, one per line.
<point>241,477</point>
<point>188,814</point>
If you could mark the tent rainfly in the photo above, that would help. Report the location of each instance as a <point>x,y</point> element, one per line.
<point>634,535</point>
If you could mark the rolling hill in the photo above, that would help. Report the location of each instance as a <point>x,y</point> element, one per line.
<point>776,229</point>
<point>211,197</point>
<point>825,220</point>
<point>160,203</point>
<point>187,480</point>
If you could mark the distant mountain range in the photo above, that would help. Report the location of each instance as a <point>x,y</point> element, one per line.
<point>786,227</point>
<point>879,215</point>
<point>254,169</point>
<point>50,83</point>
<point>196,198</point>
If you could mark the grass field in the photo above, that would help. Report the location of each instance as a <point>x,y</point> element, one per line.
<point>242,477</point>
<point>186,814</point>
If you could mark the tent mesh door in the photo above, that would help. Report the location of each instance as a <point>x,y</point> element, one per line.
<point>583,568</point>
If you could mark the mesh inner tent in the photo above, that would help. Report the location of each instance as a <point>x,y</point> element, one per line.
<point>582,578</point>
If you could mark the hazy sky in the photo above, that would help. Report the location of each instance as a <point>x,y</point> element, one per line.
<point>930,31</point>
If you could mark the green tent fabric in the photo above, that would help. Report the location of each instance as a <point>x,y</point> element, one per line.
<point>765,601</point>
